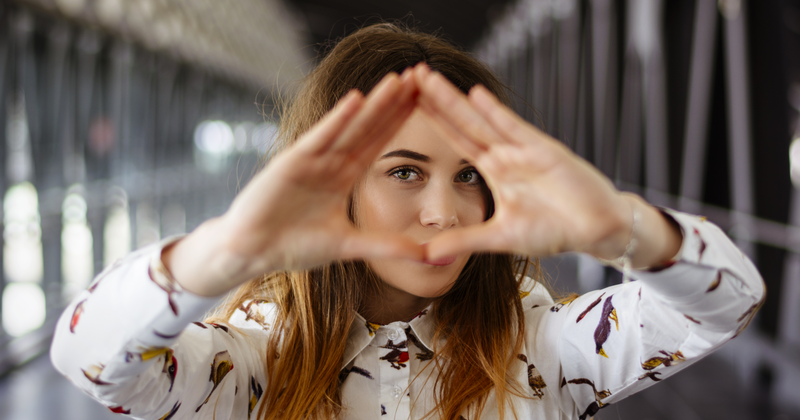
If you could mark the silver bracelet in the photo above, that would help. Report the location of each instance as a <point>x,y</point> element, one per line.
<point>624,263</point>
<point>627,264</point>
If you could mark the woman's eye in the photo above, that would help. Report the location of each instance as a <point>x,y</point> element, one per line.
<point>405,174</point>
<point>469,177</point>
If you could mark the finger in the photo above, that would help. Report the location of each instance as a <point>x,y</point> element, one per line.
<point>453,106</point>
<point>452,135</point>
<point>505,121</point>
<point>381,135</point>
<point>486,164</point>
<point>361,245</point>
<point>380,102</point>
<point>388,127</point>
<point>477,238</point>
<point>320,137</point>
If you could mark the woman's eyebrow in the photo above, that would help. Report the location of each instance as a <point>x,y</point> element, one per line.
<point>405,153</point>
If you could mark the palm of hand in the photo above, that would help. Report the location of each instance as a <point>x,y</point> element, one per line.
<point>547,199</point>
<point>294,214</point>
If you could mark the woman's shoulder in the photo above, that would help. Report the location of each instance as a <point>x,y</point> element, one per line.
<point>534,293</point>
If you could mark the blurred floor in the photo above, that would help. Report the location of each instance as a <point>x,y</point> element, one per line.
<point>702,392</point>
<point>37,392</point>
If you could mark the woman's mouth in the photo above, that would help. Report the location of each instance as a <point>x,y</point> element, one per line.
<point>442,261</point>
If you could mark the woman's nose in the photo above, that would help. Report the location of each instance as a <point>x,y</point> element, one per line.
<point>439,208</point>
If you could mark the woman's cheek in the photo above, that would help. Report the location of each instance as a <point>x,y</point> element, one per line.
<point>386,208</point>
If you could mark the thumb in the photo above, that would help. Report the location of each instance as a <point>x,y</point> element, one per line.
<point>359,245</point>
<point>478,238</point>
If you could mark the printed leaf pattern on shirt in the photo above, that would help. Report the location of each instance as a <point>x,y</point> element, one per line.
<point>703,245</point>
<point>172,412</point>
<point>92,373</point>
<point>372,328</point>
<point>119,410</point>
<point>668,359</point>
<point>220,367</point>
<point>255,394</point>
<point>652,375</point>
<point>76,316</point>
<point>595,406</point>
<point>167,336</point>
<point>716,282</point>
<point>535,379</point>
<point>557,307</point>
<point>223,328</point>
<point>83,321</point>
<point>603,329</point>
<point>589,308</point>
<point>162,280</point>
<point>344,373</point>
<point>425,354</point>
<point>147,353</point>
<point>748,316</point>
<point>170,368</point>
<point>398,356</point>
<point>170,361</point>
<point>251,312</point>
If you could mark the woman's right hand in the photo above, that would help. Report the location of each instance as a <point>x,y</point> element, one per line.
<point>294,213</point>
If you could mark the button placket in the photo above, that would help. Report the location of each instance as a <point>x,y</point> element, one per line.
<point>393,335</point>
<point>394,370</point>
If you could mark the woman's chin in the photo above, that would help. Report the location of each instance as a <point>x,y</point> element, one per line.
<point>421,279</point>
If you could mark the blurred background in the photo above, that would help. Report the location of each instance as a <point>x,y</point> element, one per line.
<point>126,121</point>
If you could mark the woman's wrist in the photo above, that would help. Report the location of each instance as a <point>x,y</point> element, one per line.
<point>657,239</point>
<point>202,264</point>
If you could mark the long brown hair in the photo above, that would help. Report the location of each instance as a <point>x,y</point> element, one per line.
<point>316,308</point>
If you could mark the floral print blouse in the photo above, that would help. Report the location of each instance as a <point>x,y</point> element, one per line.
<point>135,344</point>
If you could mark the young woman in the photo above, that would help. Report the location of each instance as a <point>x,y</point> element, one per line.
<point>374,271</point>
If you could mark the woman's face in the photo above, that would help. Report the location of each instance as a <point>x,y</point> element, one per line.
<point>419,186</point>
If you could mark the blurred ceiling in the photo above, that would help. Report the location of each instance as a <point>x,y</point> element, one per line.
<point>462,22</point>
<point>263,43</point>
<point>256,42</point>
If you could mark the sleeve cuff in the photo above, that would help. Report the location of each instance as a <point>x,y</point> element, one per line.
<point>688,275</point>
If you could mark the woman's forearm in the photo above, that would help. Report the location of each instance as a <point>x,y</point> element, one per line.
<point>202,263</point>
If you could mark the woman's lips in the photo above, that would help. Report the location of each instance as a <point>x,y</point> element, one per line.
<point>441,261</point>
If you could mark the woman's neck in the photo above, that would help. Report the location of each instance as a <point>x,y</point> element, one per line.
<point>390,304</point>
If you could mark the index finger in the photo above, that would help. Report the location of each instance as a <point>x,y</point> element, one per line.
<point>452,105</point>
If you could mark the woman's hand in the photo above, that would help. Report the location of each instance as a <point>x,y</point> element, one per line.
<point>294,213</point>
<point>547,199</point>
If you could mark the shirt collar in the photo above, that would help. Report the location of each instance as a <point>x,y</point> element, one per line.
<point>362,332</point>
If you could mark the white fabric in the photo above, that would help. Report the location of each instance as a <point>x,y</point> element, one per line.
<point>122,340</point>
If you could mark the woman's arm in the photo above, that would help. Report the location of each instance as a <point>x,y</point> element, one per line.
<point>293,214</point>
<point>129,340</point>
<point>698,293</point>
<point>608,344</point>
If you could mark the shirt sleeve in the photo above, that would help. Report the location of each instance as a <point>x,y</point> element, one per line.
<point>132,342</point>
<point>603,346</point>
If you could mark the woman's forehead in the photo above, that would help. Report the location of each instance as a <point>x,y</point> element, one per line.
<point>418,136</point>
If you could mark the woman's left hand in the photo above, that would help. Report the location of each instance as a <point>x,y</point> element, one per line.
<point>547,199</point>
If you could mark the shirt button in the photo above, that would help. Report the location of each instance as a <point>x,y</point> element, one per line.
<point>398,392</point>
<point>393,335</point>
